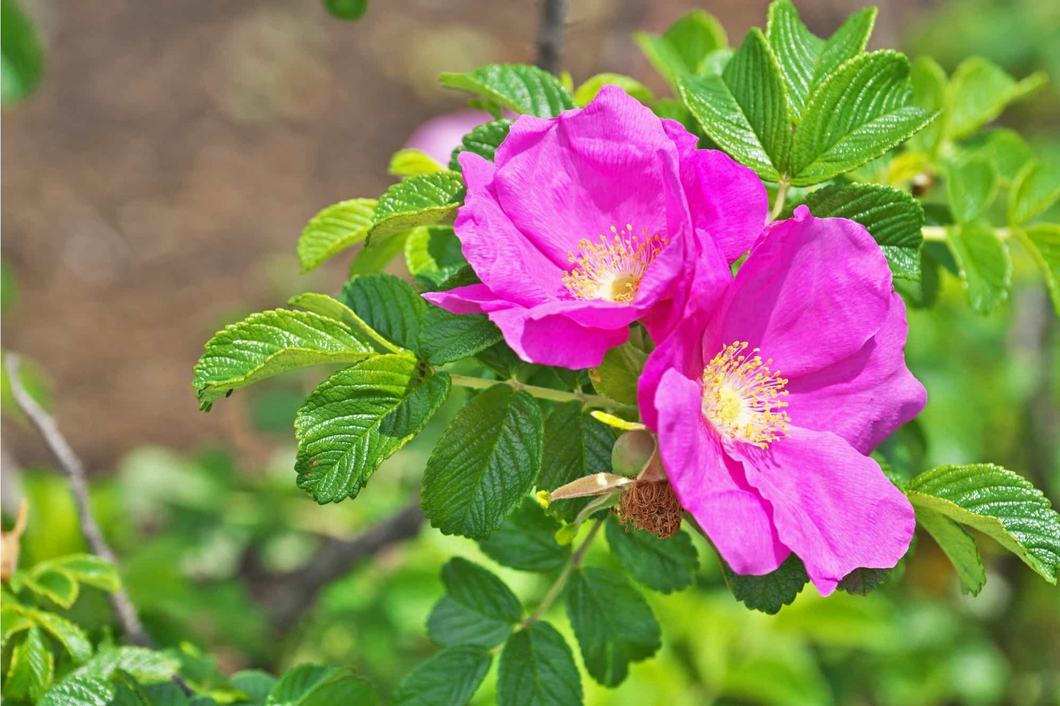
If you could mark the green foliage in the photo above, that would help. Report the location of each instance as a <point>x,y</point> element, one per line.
<point>527,540</point>
<point>486,461</point>
<point>998,503</point>
<point>616,377</point>
<point>978,92</point>
<point>449,677</point>
<point>478,609</point>
<point>537,669</point>
<point>410,163</point>
<point>685,46</point>
<point>585,93</point>
<point>958,545</point>
<point>347,9</point>
<point>425,200</point>
<point>575,445</point>
<point>447,337</point>
<point>1036,188</point>
<point>32,667</point>
<point>333,230</point>
<point>389,306</point>
<point>59,579</point>
<point>984,264</point>
<point>771,592</point>
<point>972,187</point>
<point>21,54</point>
<point>664,565</point>
<point>483,140</point>
<point>1043,242</point>
<point>862,582</point>
<point>433,256</point>
<point>520,88</point>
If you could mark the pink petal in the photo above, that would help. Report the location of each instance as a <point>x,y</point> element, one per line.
<point>864,397</point>
<point>810,294</point>
<point>728,201</point>
<point>831,505</point>
<point>472,299</point>
<point>681,352</point>
<point>553,339</point>
<point>710,485</point>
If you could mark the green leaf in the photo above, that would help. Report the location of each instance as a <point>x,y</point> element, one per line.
<point>142,663</point>
<point>502,360</point>
<point>771,592</point>
<point>427,200</point>
<point>79,691</point>
<point>410,163</point>
<point>745,109</point>
<point>1036,188</point>
<point>929,92</point>
<point>576,445</point>
<point>527,541</point>
<point>862,582</point>
<point>616,376</point>
<point>484,464</point>
<point>483,140</point>
<point>58,586</point>
<point>389,306</point>
<point>804,58</point>
<point>958,545</point>
<point>433,256</point>
<point>971,186</point>
<point>85,568</point>
<point>347,9</point>
<point>13,621</point>
<point>268,343</point>
<point>984,263</point>
<point>999,503</point>
<point>517,87</point>
<point>32,668</point>
<point>297,682</point>
<point>537,669</point>
<point>612,621</point>
<point>358,418</point>
<point>254,683</point>
<point>979,91</point>
<point>478,610</point>
<point>450,677</point>
<point>333,309</point>
<point>334,229</point>
<point>1003,148</point>
<point>313,685</point>
<point>585,93</point>
<point>21,54</point>
<point>684,46</point>
<point>446,337</point>
<point>841,129</point>
<point>893,217</point>
<point>665,565</point>
<point>69,635</point>
<point>370,260</point>
<point>1043,242</point>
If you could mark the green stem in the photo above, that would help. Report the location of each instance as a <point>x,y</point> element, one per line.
<point>939,233</point>
<point>778,204</point>
<point>575,561</point>
<point>543,393</point>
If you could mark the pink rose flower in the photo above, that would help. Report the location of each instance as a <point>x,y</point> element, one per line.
<point>767,405</point>
<point>587,222</point>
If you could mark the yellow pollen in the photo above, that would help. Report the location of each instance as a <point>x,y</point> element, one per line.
<point>612,269</point>
<point>743,397</point>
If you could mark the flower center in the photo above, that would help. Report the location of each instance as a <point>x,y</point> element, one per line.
<point>612,270</point>
<point>742,397</point>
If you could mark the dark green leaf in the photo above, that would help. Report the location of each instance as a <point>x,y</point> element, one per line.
<point>359,417</point>
<point>426,200</point>
<point>971,186</point>
<point>433,255</point>
<point>478,610</point>
<point>450,677</point>
<point>979,92</point>
<point>684,46</point>
<point>389,306</point>
<point>484,464</point>
<point>334,229</point>
<point>616,376</point>
<point>537,669</point>
<point>446,337</point>
<point>958,545</point>
<point>576,445</point>
<point>1037,187</point>
<point>21,54</point>
<point>527,541</point>
<point>893,217</point>
<point>984,263</point>
<point>862,582</point>
<point>1043,242</point>
<point>612,621</point>
<point>452,624</point>
<point>771,592</point>
<point>665,565</point>
<point>32,668</point>
<point>523,89</point>
<point>483,140</point>
<point>502,360</point>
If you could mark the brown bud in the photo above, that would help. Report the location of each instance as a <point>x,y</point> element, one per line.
<point>651,506</point>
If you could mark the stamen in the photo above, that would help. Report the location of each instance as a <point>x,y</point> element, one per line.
<point>742,396</point>
<point>612,270</point>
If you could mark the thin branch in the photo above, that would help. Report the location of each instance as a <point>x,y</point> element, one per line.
<point>290,596</point>
<point>557,588</point>
<point>75,472</point>
<point>778,204</point>
<point>544,393</point>
<point>550,34</point>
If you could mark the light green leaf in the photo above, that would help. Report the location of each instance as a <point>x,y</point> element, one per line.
<point>804,58</point>
<point>446,337</point>
<point>1003,148</point>
<point>971,186</point>
<point>426,200</point>
<point>1036,188</point>
<point>893,217</point>
<point>616,376</point>
<point>745,109</point>
<point>334,229</point>
<point>12,620</point>
<point>450,677</point>
<point>484,464</point>
<point>929,92</point>
<point>58,586</point>
<point>999,503</point>
<point>841,129</point>
<point>358,418</point>
<point>21,54</point>
<point>85,568</point>
<point>984,263</point>
<point>433,255</point>
<point>958,545</point>
<point>313,685</point>
<point>979,91</point>
<point>523,89</point>
<point>387,305</point>
<point>665,565</point>
<point>1043,242</point>
<point>79,691</point>
<point>410,163</point>
<point>370,260</point>
<point>771,592</point>
<point>478,609</point>
<point>576,445</point>
<point>333,309</point>
<point>612,621</point>
<point>32,668</point>
<point>483,140</point>
<point>268,343</point>
<point>297,682</point>
<point>537,669</point>
<point>585,93</point>
<point>684,46</point>
<point>142,663</point>
<point>527,541</point>
<point>69,635</point>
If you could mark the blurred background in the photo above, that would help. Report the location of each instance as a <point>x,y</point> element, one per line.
<point>153,190</point>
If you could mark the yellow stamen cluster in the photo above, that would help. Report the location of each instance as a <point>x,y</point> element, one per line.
<point>742,396</point>
<point>612,270</point>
